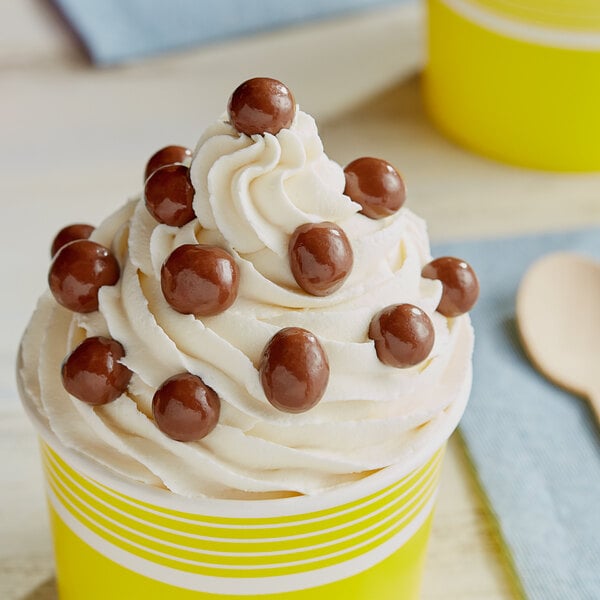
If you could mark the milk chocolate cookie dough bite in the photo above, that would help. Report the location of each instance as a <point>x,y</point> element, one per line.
<point>261,105</point>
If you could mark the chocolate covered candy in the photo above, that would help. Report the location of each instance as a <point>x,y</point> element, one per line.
<point>70,233</point>
<point>375,185</point>
<point>77,273</point>
<point>261,105</point>
<point>168,155</point>
<point>169,194</point>
<point>200,280</point>
<point>460,286</point>
<point>185,408</point>
<point>403,335</point>
<point>92,372</point>
<point>320,257</point>
<point>294,370</point>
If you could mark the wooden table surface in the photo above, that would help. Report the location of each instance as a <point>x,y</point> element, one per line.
<point>73,142</point>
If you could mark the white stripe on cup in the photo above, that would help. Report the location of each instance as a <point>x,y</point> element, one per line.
<point>527,32</point>
<point>243,586</point>
<point>60,498</point>
<point>165,514</point>
<point>427,475</point>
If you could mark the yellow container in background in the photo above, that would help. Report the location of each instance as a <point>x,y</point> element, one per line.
<point>518,81</point>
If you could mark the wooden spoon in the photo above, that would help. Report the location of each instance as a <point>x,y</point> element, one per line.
<point>558,316</point>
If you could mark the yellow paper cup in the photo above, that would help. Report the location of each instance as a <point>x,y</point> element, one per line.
<point>115,538</point>
<point>517,81</point>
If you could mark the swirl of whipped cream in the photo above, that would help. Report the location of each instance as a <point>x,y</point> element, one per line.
<point>251,193</point>
<point>256,190</point>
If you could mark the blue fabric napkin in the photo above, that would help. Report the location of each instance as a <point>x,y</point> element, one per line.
<point>114,31</point>
<point>535,448</point>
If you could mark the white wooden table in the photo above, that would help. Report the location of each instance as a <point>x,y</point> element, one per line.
<point>74,141</point>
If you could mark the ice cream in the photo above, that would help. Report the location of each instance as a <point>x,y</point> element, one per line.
<point>264,322</point>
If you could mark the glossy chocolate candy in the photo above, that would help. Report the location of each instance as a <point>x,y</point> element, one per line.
<point>168,155</point>
<point>200,280</point>
<point>320,257</point>
<point>460,286</point>
<point>77,273</point>
<point>92,372</point>
<point>261,105</point>
<point>403,335</point>
<point>294,370</point>
<point>375,185</point>
<point>185,408</point>
<point>169,194</point>
<point>70,233</point>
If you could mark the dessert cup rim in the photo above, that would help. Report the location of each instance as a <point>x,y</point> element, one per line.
<point>164,498</point>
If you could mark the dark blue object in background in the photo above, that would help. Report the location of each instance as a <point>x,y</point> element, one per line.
<point>116,31</point>
<point>536,448</point>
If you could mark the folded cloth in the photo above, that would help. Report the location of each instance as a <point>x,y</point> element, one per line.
<point>114,31</point>
<point>535,448</point>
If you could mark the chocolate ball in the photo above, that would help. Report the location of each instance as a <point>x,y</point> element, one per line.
<point>200,280</point>
<point>376,186</point>
<point>168,155</point>
<point>169,194</point>
<point>261,105</point>
<point>70,233</point>
<point>185,408</point>
<point>294,370</point>
<point>403,335</point>
<point>460,286</point>
<point>77,273</point>
<point>92,372</point>
<point>320,257</point>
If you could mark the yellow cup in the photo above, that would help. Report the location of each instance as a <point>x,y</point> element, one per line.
<point>116,538</point>
<point>363,543</point>
<point>517,81</point>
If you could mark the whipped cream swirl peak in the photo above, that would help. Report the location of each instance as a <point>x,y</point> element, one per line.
<point>256,190</point>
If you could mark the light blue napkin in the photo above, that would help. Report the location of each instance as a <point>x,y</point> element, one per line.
<point>115,31</point>
<point>535,448</point>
